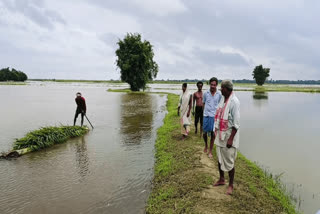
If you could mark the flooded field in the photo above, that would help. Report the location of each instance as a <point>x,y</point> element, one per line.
<point>107,171</point>
<point>110,169</point>
<point>280,131</point>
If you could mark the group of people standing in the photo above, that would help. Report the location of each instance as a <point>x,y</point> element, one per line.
<point>219,116</point>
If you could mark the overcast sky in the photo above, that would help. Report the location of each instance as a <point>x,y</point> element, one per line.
<point>76,39</point>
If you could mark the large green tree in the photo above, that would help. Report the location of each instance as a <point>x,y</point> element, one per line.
<point>135,60</point>
<point>260,74</point>
<point>12,75</point>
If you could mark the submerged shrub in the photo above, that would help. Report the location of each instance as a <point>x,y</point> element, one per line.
<point>48,136</point>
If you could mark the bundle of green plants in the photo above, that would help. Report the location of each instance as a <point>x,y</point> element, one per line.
<point>48,136</point>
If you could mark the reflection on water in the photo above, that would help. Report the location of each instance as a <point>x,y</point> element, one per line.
<point>82,158</point>
<point>282,134</point>
<point>136,117</point>
<point>260,99</point>
<point>260,95</point>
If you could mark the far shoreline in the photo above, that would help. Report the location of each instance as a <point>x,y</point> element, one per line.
<point>309,88</point>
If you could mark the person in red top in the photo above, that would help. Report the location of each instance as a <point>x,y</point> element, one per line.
<point>81,108</point>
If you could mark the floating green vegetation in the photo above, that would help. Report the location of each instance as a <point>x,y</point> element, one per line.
<point>120,90</point>
<point>48,136</point>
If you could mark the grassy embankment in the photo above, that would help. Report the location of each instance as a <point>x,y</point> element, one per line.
<point>13,83</point>
<point>183,178</point>
<point>276,88</point>
<point>45,137</point>
<point>76,81</point>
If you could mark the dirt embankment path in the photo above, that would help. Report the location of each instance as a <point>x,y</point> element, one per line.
<point>184,177</point>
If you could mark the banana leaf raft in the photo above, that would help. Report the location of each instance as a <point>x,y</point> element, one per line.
<point>43,138</point>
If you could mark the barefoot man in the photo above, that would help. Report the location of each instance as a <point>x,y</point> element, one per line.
<point>184,108</point>
<point>211,99</point>
<point>198,107</point>
<point>227,124</point>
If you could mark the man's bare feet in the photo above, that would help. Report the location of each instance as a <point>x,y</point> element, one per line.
<point>219,183</point>
<point>230,190</point>
<point>210,155</point>
<point>205,150</point>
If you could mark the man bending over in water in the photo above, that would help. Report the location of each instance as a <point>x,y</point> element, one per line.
<point>81,108</point>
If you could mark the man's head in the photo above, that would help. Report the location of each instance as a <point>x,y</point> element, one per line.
<point>78,94</point>
<point>199,85</point>
<point>226,87</point>
<point>213,83</point>
<point>184,87</point>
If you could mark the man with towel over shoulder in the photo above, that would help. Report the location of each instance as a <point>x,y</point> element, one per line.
<point>227,124</point>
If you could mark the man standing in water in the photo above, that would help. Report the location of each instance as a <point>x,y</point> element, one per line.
<point>198,107</point>
<point>227,124</point>
<point>211,99</point>
<point>184,108</point>
<point>81,108</point>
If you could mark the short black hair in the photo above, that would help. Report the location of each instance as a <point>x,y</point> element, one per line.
<point>213,79</point>
<point>184,84</point>
<point>199,83</point>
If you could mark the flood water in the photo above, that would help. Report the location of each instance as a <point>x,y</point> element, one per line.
<point>107,171</point>
<point>280,131</point>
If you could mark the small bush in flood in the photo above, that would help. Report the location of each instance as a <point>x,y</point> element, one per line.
<point>48,136</point>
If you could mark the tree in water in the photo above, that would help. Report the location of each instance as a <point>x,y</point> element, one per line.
<point>135,60</point>
<point>260,74</point>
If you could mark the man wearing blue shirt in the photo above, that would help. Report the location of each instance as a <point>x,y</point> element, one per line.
<point>211,99</point>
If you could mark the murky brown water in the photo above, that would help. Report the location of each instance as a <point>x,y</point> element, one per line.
<point>107,171</point>
<point>281,132</point>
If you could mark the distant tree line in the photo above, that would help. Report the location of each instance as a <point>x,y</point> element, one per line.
<point>302,82</point>
<point>12,75</point>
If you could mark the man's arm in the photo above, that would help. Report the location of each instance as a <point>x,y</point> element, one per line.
<point>230,140</point>
<point>84,105</point>
<point>190,105</point>
<point>193,101</point>
<point>235,112</point>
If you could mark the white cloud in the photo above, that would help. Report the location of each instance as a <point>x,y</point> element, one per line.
<point>77,38</point>
<point>161,8</point>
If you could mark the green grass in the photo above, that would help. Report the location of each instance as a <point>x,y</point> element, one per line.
<point>276,88</point>
<point>13,83</point>
<point>121,90</point>
<point>175,182</point>
<point>48,136</point>
<point>266,188</point>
